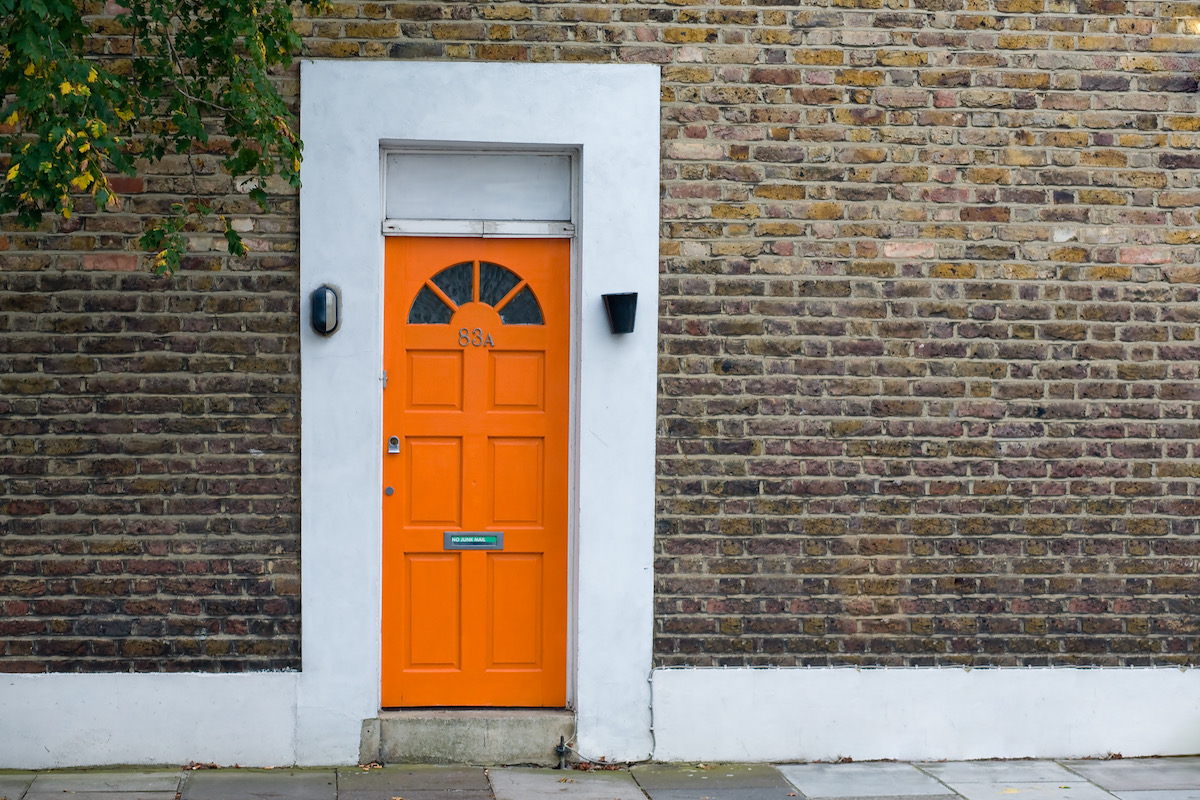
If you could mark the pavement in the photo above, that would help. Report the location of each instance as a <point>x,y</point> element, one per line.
<point>1112,779</point>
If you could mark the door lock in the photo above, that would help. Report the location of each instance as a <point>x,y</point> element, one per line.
<point>393,444</point>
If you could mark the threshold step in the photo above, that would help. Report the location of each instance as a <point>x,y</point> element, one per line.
<point>486,737</point>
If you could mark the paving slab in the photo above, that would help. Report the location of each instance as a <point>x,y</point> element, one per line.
<point>862,780</point>
<point>414,782</point>
<point>108,780</point>
<point>1073,789</point>
<point>1142,774</point>
<point>952,772</point>
<point>14,784</point>
<point>712,782</point>
<point>247,784</point>
<point>539,784</point>
<point>1160,794</point>
<point>59,794</point>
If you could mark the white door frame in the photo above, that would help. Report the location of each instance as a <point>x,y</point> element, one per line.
<point>511,229</point>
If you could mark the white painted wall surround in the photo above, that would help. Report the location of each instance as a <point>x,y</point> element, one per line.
<point>609,115</point>
<point>800,714</point>
<point>71,720</point>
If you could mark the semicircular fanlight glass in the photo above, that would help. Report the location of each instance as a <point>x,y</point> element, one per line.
<point>495,282</point>
<point>457,282</point>
<point>523,309</point>
<point>429,309</point>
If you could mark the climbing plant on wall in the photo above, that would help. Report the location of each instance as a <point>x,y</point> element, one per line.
<point>196,69</point>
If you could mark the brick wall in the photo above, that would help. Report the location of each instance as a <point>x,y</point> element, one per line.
<point>149,444</point>
<point>928,336</point>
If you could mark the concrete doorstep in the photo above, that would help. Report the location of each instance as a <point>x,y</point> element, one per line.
<point>1128,779</point>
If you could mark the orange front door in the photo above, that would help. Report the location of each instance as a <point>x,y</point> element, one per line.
<point>475,479</point>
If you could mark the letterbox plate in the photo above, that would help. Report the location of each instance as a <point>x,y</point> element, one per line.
<point>473,540</point>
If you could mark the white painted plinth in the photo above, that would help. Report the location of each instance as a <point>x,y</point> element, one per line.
<point>71,720</point>
<point>923,714</point>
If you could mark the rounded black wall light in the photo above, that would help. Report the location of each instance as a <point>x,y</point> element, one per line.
<point>621,308</point>
<point>325,309</point>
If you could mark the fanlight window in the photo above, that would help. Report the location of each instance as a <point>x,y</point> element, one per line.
<point>475,282</point>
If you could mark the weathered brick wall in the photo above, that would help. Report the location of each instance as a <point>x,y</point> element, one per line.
<point>149,439</point>
<point>928,337</point>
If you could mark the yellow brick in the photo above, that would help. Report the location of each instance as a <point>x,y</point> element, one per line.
<point>689,35</point>
<point>1101,197</point>
<point>1103,158</point>
<point>1072,255</point>
<point>780,191</point>
<point>825,211</point>
<point>1021,41</point>
<point>509,12</point>
<point>779,228</point>
<point>988,175</point>
<point>901,58</point>
<point>688,74</point>
<point>859,77</point>
<point>1142,63</point>
<point>727,211</point>
<point>953,271</point>
<point>825,58</point>
<point>1108,273</point>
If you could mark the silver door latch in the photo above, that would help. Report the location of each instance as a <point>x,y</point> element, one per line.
<point>393,444</point>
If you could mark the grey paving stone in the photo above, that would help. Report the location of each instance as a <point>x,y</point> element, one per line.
<point>538,784</point>
<point>700,793</point>
<point>1143,774</point>
<point>14,784</point>
<point>246,784</point>
<point>412,778</point>
<point>862,780</point>
<point>59,794</point>
<point>1073,789</point>
<point>108,780</point>
<point>952,772</point>
<point>1160,794</point>
<point>686,776</point>
<point>712,782</point>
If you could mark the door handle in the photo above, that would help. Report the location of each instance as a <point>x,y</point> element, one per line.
<point>393,444</point>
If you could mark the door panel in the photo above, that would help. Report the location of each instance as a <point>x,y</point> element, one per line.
<point>435,633</point>
<point>476,348</point>
<point>514,592</point>
<point>434,480</point>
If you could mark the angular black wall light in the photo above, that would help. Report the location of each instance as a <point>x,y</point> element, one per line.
<point>326,310</point>
<point>621,308</point>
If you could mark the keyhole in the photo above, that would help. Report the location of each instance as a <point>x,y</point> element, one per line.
<point>388,491</point>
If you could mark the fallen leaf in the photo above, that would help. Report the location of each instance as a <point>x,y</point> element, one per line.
<point>566,780</point>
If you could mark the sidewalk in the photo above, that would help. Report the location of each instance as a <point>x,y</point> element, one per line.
<point>1130,779</point>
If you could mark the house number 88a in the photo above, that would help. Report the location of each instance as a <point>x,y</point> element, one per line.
<point>475,337</point>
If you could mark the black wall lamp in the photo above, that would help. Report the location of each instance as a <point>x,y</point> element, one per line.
<point>326,309</point>
<point>621,308</point>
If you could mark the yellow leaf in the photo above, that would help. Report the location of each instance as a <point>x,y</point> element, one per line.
<point>124,115</point>
<point>65,87</point>
<point>92,75</point>
<point>12,171</point>
<point>29,68</point>
<point>83,148</point>
<point>66,212</point>
<point>12,119</point>
<point>82,182</point>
